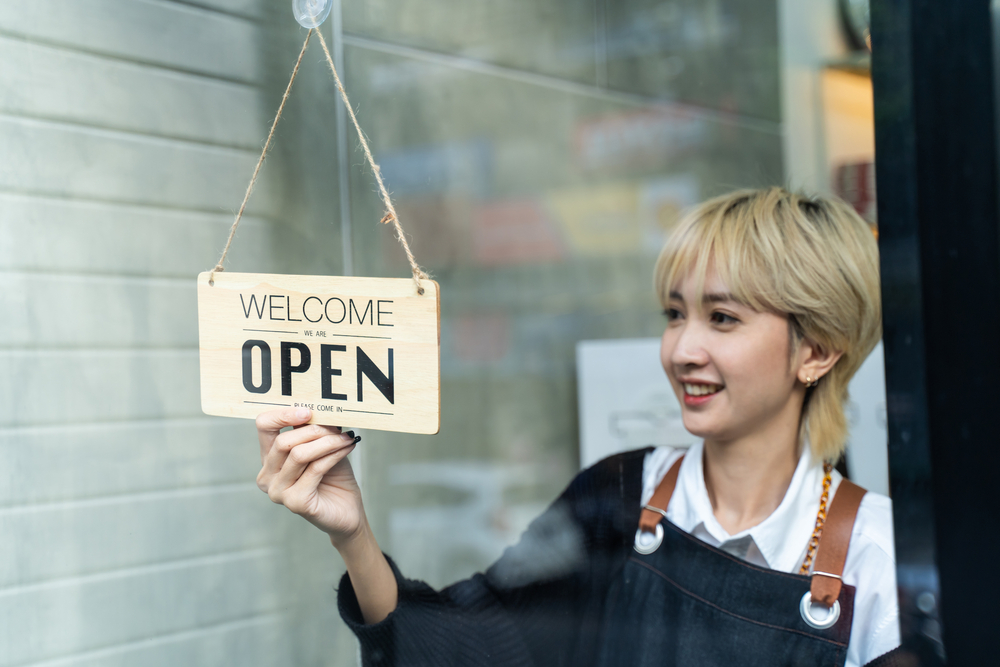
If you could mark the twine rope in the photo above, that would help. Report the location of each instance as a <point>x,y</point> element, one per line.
<point>390,215</point>
<point>267,146</point>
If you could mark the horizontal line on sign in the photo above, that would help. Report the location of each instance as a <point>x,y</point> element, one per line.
<point>352,336</point>
<point>369,412</point>
<point>287,405</point>
<point>333,334</point>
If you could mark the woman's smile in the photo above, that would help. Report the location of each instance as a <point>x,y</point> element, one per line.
<point>699,393</point>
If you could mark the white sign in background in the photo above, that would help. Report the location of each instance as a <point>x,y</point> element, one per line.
<point>626,402</point>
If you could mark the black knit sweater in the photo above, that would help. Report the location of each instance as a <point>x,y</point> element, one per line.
<point>540,604</point>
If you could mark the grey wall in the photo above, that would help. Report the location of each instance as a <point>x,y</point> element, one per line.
<point>131,530</point>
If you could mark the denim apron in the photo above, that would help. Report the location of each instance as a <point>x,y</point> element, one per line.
<point>689,604</point>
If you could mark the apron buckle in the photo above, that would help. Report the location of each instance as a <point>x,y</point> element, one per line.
<point>647,543</point>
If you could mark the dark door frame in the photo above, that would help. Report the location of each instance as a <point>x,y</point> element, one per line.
<point>939,235</point>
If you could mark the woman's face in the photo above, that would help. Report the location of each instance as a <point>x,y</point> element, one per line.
<point>729,365</point>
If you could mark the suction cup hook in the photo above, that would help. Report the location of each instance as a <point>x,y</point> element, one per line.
<point>311,13</point>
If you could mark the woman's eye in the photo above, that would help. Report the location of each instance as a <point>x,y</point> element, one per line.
<point>723,318</point>
<point>672,314</point>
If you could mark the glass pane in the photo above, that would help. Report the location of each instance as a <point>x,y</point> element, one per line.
<point>540,210</point>
<point>539,154</point>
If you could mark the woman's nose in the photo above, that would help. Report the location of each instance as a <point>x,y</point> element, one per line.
<point>689,347</point>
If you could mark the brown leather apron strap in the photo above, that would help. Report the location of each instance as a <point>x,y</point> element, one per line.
<point>833,543</point>
<point>660,500</point>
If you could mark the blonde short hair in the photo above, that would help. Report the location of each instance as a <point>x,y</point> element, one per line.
<point>812,259</point>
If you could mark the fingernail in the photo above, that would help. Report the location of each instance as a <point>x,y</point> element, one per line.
<point>350,433</point>
<point>302,413</point>
<point>357,439</point>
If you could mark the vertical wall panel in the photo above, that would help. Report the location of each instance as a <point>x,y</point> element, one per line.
<point>131,529</point>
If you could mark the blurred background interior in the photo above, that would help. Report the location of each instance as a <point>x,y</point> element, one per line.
<point>538,152</point>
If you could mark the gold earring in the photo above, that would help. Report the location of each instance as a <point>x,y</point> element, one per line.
<point>810,382</point>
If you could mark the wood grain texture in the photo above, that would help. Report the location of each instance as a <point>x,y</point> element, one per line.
<point>369,318</point>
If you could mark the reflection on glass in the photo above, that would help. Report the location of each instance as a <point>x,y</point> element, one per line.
<point>540,207</point>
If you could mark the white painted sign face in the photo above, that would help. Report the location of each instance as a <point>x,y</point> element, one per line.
<point>360,352</point>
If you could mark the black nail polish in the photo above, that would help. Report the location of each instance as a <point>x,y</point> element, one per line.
<point>357,439</point>
<point>350,433</point>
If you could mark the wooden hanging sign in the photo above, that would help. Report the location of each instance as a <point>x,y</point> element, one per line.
<point>361,352</point>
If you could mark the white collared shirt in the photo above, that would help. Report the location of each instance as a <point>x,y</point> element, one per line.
<point>779,542</point>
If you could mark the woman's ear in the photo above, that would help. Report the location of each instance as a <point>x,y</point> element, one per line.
<point>815,361</point>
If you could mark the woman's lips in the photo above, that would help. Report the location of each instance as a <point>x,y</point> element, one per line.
<point>699,393</point>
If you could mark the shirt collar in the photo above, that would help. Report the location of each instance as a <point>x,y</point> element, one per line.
<point>781,538</point>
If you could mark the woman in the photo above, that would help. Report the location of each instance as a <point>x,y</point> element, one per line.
<point>747,549</point>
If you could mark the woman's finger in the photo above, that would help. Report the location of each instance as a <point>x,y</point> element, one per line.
<point>300,496</point>
<point>304,454</point>
<point>270,423</point>
<point>285,443</point>
<point>288,440</point>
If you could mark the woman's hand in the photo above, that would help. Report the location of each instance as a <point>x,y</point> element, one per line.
<point>306,470</point>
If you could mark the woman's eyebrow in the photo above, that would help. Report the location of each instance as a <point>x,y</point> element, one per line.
<point>710,297</point>
<point>719,297</point>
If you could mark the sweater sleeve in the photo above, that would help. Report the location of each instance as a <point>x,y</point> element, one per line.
<point>535,605</point>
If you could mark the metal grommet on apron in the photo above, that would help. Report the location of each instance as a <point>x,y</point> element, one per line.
<point>649,534</point>
<point>825,585</point>
<point>832,613</point>
<point>647,543</point>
